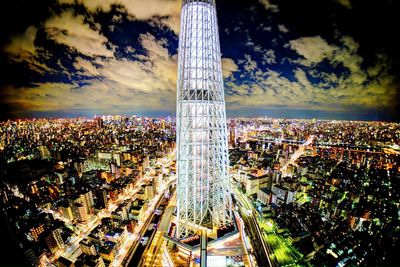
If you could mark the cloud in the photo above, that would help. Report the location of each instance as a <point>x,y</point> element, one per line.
<point>86,67</point>
<point>248,63</point>
<point>23,45</point>
<point>228,67</point>
<point>345,3</point>
<point>312,49</point>
<point>22,49</point>
<point>117,18</point>
<point>315,49</point>
<point>166,12</point>
<point>43,96</point>
<point>282,28</point>
<point>110,84</point>
<point>348,54</point>
<point>269,57</point>
<point>273,90</point>
<point>268,6</point>
<point>105,81</point>
<point>72,31</point>
<point>115,83</point>
<point>357,89</point>
<point>267,28</point>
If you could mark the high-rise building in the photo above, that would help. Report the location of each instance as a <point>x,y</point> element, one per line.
<point>80,213</point>
<point>36,231</point>
<point>87,247</point>
<point>54,240</point>
<point>99,122</point>
<point>102,200</point>
<point>86,201</point>
<point>67,211</point>
<point>203,200</point>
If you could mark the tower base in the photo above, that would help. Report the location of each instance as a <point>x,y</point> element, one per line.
<point>226,248</point>
<point>188,249</point>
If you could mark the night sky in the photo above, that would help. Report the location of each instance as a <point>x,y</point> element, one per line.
<point>328,59</point>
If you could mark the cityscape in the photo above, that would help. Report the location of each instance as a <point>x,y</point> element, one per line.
<point>101,192</point>
<point>166,133</point>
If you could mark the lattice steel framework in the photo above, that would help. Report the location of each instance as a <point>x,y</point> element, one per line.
<point>202,148</point>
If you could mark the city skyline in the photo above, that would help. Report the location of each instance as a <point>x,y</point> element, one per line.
<point>103,192</point>
<point>329,60</point>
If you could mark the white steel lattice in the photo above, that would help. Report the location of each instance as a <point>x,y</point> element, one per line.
<point>202,148</point>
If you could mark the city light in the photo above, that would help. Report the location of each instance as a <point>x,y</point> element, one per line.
<point>200,133</point>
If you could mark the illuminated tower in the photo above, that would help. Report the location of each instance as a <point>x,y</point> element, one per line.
<point>203,200</point>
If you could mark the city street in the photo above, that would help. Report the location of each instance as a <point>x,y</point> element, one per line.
<point>248,213</point>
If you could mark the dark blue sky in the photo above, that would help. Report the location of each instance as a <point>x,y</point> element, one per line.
<point>330,59</point>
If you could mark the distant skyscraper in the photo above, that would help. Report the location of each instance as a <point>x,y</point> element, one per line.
<point>100,122</point>
<point>232,135</point>
<point>202,148</point>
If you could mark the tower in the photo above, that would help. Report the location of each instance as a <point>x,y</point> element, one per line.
<point>203,190</point>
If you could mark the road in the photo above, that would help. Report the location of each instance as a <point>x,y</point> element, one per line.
<point>248,214</point>
<point>154,254</point>
<point>278,251</point>
<point>283,252</point>
<point>131,245</point>
<point>375,149</point>
<point>245,240</point>
<point>139,249</point>
<point>73,251</point>
<point>142,228</point>
<point>296,155</point>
